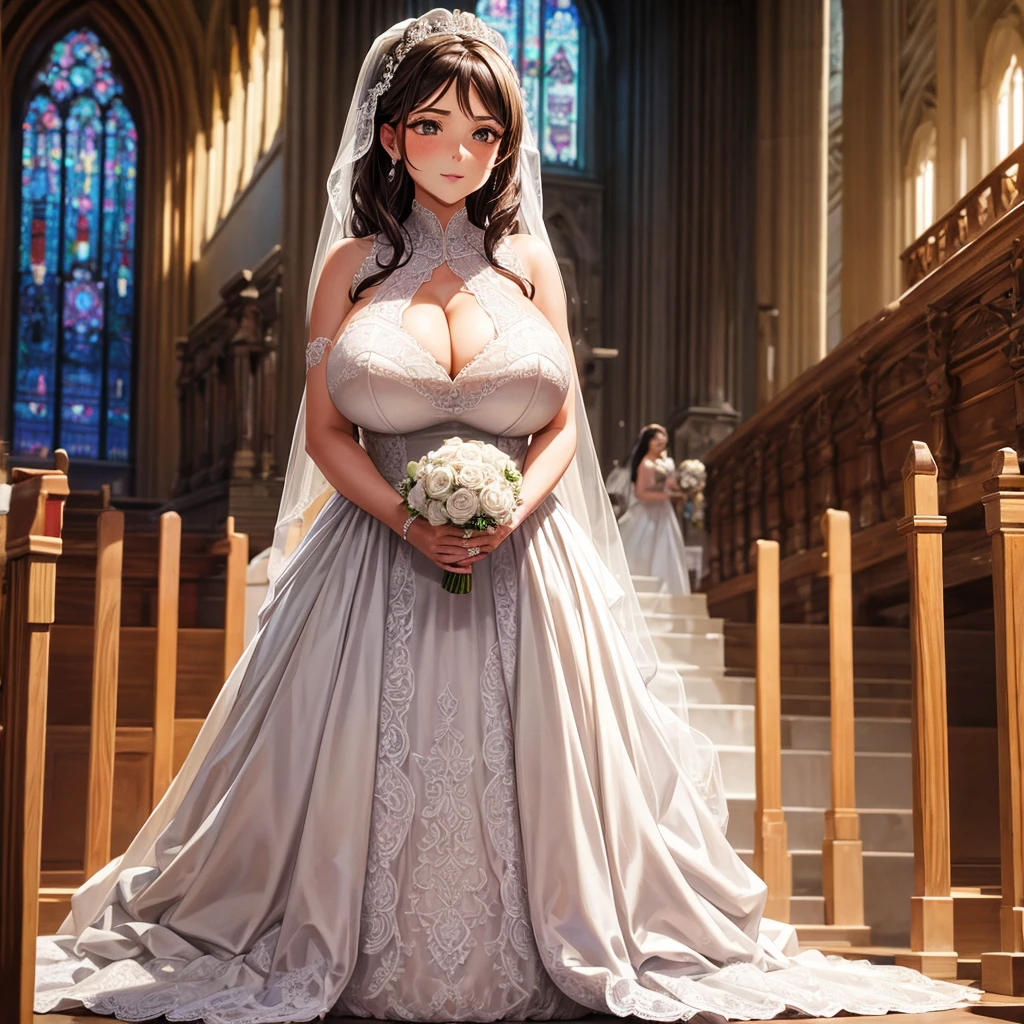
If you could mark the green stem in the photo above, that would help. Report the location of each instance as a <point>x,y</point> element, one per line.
<point>457,582</point>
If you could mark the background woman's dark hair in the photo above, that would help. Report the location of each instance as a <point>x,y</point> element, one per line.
<point>639,452</point>
<point>380,206</point>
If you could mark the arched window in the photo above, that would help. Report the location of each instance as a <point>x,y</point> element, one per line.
<point>545,40</point>
<point>1010,110</point>
<point>76,267</point>
<point>920,177</point>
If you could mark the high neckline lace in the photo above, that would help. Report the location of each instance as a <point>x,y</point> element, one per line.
<point>430,239</point>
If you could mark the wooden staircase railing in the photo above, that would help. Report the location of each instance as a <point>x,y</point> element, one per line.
<point>32,528</point>
<point>1002,971</point>
<point>841,853</point>
<point>772,860</point>
<point>931,907</point>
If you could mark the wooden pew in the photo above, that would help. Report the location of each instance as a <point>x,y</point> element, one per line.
<point>772,860</point>
<point>841,853</point>
<point>931,906</point>
<point>1003,971</point>
<point>32,547</point>
<point>166,677</point>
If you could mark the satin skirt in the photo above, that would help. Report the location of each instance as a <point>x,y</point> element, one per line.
<point>415,805</point>
<point>654,544</point>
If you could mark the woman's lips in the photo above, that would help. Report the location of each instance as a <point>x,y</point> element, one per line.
<point>452,177</point>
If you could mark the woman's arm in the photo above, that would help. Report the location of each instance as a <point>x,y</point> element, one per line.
<point>330,439</point>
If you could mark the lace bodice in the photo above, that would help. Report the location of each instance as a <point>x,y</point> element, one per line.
<point>381,378</point>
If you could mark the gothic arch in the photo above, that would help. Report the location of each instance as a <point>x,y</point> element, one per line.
<point>157,44</point>
<point>1005,41</point>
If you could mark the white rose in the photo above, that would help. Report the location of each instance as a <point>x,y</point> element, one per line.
<point>468,453</point>
<point>494,457</point>
<point>462,506</point>
<point>471,475</point>
<point>438,482</point>
<point>454,442</point>
<point>417,496</point>
<point>435,513</point>
<point>498,502</point>
<point>491,475</point>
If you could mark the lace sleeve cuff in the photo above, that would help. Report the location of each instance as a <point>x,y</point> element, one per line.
<point>315,351</point>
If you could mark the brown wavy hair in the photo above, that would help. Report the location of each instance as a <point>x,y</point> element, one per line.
<point>380,206</point>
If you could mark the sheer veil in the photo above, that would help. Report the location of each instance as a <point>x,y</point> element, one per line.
<point>581,490</point>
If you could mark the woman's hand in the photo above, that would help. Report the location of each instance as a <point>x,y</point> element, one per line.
<point>443,545</point>
<point>486,540</point>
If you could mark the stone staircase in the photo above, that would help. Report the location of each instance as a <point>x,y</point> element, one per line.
<point>720,704</point>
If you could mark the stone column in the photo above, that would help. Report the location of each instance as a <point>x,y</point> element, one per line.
<point>792,185</point>
<point>679,242</point>
<point>872,173</point>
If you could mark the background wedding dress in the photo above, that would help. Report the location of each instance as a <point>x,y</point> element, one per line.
<point>653,540</point>
<point>413,804</point>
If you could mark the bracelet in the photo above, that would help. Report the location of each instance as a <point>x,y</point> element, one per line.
<point>406,525</point>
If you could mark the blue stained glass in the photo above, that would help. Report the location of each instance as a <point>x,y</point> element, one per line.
<point>543,37</point>
<point>561,82</point>
<point>503,15</point>
<point>74,347</point>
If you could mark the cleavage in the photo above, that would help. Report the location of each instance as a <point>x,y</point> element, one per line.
<point>445,319</point>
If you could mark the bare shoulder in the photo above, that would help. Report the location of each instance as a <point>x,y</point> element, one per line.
<point>344,259</point>
<point>537,259</point>
<point>331,303</point>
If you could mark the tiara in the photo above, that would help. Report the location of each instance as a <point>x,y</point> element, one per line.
<point>448,23</point>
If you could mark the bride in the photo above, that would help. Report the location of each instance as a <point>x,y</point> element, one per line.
<point>650,531</point>
<point>413,804</point>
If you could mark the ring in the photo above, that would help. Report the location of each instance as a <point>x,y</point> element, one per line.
<point>467,533</point>
<point>472,552</point>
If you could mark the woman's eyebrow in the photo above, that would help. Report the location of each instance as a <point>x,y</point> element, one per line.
<point>447,113</point>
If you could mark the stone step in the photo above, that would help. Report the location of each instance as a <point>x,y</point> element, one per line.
<point>678,604</point>
<point>719,689</point>
<point>884,830</point>
<point>882,779</point>
<point>888,885</point>
<point>733,725</point>
<point>701,651</point>
<point>676,622</point>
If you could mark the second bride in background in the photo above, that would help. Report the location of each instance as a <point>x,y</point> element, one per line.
<point>650,527</point>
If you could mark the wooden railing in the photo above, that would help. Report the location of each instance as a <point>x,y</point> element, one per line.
<point>227,382</point>
<point>997,193</point>
<point>33,545</point>
<point>945,363</point>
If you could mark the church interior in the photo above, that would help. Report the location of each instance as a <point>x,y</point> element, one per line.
<point>789,230</point>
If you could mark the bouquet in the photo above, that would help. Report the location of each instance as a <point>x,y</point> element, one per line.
<point>466,483</point>
<point>692,476</point>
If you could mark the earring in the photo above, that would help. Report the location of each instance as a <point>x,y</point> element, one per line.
<point>391,173</point>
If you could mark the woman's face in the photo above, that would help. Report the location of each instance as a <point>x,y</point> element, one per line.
<point>658,443</point>
<point>449,154</point>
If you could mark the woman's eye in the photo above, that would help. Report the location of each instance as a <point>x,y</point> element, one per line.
<point>426,127</point>
<point>486,135</point>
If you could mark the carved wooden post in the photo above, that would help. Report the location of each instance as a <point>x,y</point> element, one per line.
<point>870,454</point>
<point>103,721</point>
<point>1003,972</point>
<point>33,544</point>
<point>772,860</point>
<point>237,549</point>
<point>166,653</point>
<point>941,390</point>
<point>931,906</point>
<point>841,854</point>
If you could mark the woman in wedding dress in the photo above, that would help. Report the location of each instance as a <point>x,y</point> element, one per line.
<point>412,804</point>
<point>650,531</point>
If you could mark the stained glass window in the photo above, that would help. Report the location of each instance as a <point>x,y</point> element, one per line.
<point>544,41</point>
<point>76,270</point>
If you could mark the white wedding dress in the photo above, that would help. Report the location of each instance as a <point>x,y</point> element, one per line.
<point>417,805</point>
<point>652,539</point>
